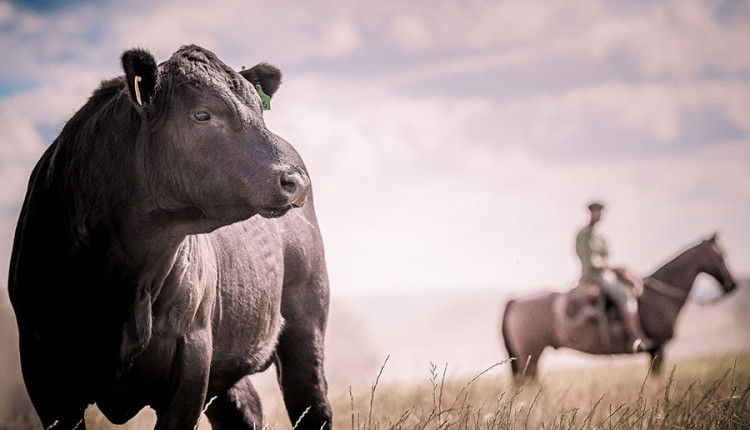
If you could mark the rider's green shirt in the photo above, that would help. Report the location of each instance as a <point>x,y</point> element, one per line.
<point>593,252</point>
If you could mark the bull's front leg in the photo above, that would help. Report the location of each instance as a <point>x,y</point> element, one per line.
<point>299,355</point>
<point>55,384</point>
<point>188,383</point>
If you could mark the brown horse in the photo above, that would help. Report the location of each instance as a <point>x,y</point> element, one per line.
<point>585,321</point>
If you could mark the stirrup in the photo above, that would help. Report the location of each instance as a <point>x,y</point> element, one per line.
<point>641,345</point>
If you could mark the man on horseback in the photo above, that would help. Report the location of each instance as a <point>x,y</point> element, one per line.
<point>621,287</point>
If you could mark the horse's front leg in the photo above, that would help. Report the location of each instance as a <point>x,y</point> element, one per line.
<point>188,383</point>
<point>657,357</point>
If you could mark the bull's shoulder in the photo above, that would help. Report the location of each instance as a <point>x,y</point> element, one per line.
<point>39,231</point>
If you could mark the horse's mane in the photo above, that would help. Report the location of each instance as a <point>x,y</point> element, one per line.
<point>678,255</point>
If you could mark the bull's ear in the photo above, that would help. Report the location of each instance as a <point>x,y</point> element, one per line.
<point>141,74</point>
<point>268,76</point>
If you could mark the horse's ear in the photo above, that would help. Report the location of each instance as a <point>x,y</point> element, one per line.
<point>268,76</point>
<point>140,74</point>
<point>711,238</point>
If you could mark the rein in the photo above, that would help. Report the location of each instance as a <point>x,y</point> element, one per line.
<point>674,292</point>
<point>666,289</point>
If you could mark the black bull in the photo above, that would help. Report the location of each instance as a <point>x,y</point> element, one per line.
<point>140,274</point>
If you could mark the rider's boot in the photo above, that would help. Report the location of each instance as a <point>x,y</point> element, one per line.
<point>634,331</point>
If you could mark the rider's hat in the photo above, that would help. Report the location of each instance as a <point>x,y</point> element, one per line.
<point>596,205</point>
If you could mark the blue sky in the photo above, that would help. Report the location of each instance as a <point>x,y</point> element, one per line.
<point>451,144</point>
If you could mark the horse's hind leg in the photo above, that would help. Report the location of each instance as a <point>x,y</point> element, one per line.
<point>524,366</point>
<point>237,408</point>
<point>529,365</point>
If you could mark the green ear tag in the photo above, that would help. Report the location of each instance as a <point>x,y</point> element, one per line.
<point>264,98</point>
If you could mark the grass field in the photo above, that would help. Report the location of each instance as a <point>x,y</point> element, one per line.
<point>710,393</point>
<point>705,393</point>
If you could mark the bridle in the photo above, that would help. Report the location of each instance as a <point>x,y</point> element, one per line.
<point>680,294</point>
<point>721,266</point>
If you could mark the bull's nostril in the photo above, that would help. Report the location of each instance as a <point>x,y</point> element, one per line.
<point>288,184</point>
<point>294,187</point>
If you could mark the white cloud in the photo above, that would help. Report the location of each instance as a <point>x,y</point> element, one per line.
<point>339,38</point>
<point>402,184</point>
<point>22,115</point>
<point>20,147</point>
<point>278,31</point>
<point>409,33</point>
<point>443,189</point>
<point>680,39</point>
<point>509,222</point>
<point>652,110</point>
<point>6,13</point>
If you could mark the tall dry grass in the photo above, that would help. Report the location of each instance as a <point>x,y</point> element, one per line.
<point>705,393</point>
<point>711,393</point>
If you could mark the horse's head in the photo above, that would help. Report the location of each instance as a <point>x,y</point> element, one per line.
<point>715,264</point>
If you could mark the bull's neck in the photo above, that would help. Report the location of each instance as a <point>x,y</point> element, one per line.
<point>110,214</point>
<point>136,245</point>
<point>113,229</point>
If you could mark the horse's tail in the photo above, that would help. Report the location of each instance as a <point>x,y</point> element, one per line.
<point>514,365</point>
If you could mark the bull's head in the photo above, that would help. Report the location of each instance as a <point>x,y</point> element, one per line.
<point>202,141</point>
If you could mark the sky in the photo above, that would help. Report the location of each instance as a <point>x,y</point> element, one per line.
<point>452,145</point>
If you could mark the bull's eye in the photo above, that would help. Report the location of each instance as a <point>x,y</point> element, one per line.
<point>202,116</point>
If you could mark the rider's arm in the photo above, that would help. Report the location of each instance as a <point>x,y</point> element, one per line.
<point>590,259</point>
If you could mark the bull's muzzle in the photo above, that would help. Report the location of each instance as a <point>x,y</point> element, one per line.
<point>294,186</point>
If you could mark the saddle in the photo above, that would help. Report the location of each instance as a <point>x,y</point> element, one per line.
<point>588,304</point>
<point>583,309</point>
<point>585,299</point>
